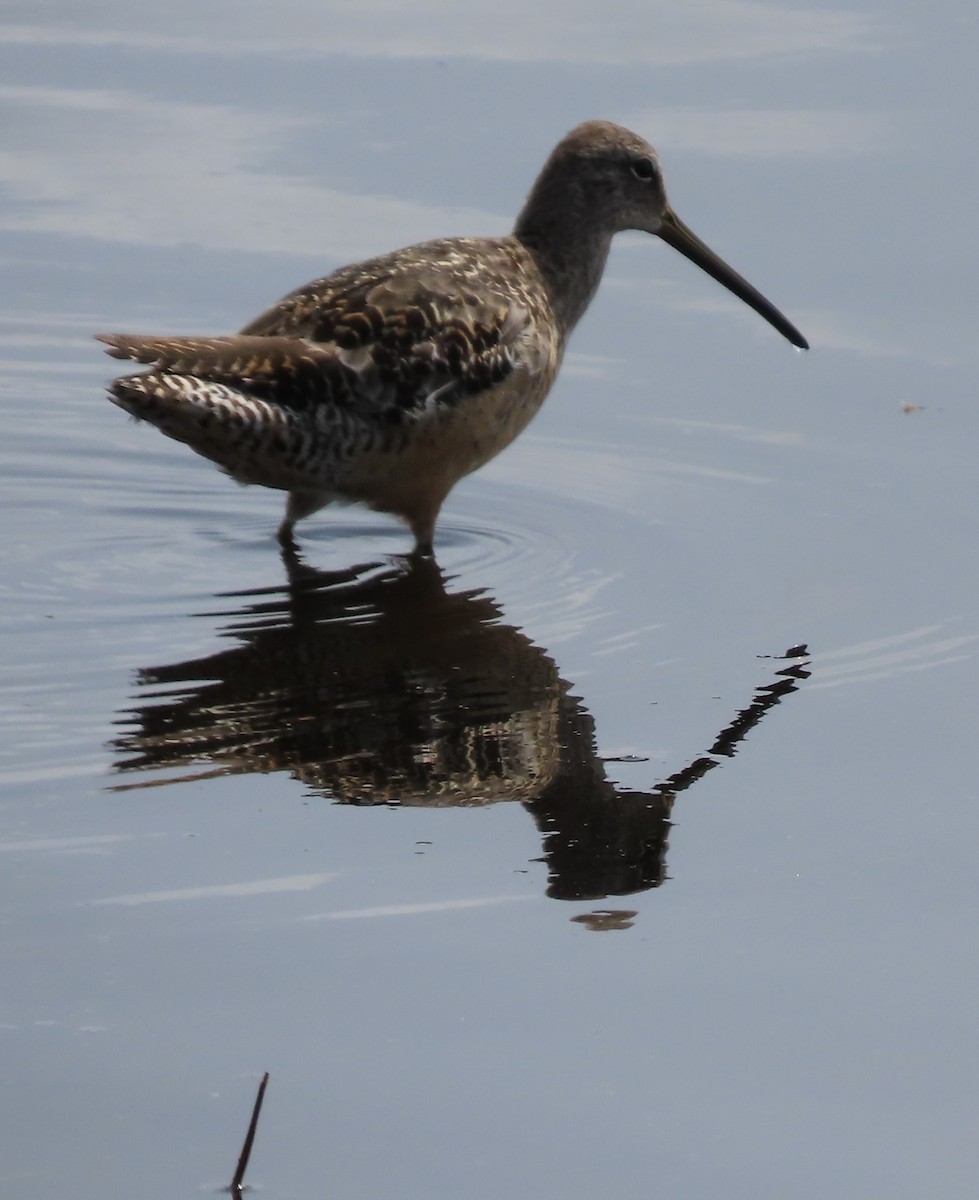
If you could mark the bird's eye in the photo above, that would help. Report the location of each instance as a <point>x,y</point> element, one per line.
<point>643,168</point>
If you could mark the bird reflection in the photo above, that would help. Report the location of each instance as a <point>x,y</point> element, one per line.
<point>381,685</point>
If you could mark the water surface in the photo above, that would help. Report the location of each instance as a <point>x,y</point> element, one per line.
<point>627,850</point>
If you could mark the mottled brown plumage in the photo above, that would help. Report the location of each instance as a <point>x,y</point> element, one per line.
<point>387,381</point>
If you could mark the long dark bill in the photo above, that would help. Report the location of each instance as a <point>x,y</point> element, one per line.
<point>690,246</point>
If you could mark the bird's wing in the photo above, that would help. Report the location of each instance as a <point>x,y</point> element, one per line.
<point>275,365</point>
<point>390,339</point>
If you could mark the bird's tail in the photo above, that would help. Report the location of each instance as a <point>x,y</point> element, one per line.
<point>245,435</point>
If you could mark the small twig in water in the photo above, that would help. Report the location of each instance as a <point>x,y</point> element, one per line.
<point>235,1187</point>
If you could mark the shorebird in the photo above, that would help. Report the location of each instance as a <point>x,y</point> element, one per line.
<point>387,381</point>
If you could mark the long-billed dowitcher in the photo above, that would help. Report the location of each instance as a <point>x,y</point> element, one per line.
<point>389,380</point>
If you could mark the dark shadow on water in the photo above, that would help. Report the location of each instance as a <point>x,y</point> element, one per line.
<point>380,685</point>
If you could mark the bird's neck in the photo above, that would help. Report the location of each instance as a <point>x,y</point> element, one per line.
<point>570,252</point>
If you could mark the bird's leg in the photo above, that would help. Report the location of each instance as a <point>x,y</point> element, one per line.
<point>422,525</point>
<point>298,506</point>
<point>286,535</point>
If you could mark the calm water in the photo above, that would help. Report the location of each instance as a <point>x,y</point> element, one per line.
<point>630,850</point>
